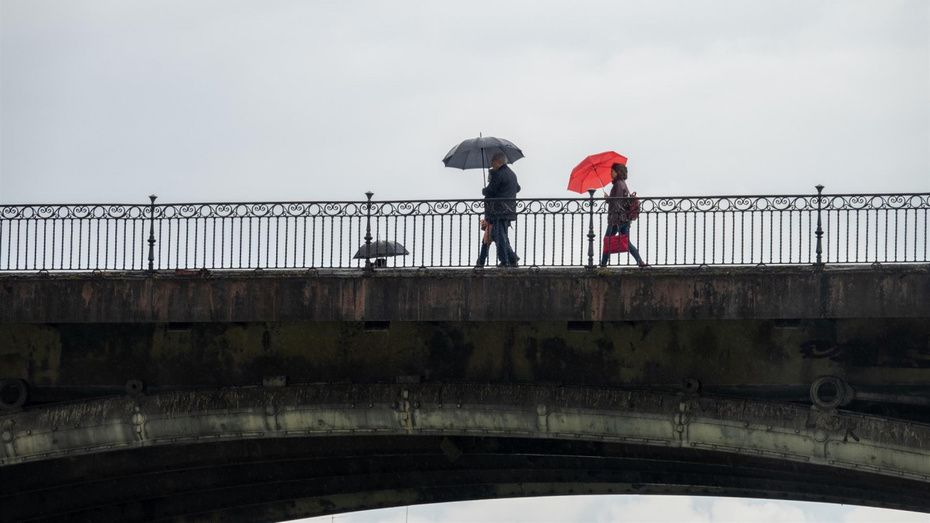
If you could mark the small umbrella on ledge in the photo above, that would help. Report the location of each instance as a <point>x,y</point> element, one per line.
<point>380,250</point>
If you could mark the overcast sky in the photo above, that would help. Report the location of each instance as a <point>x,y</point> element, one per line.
<point>108,100</point>
<point>628,509</point>
<point>213,100</point>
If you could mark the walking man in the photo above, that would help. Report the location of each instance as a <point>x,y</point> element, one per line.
<point>501,206</point>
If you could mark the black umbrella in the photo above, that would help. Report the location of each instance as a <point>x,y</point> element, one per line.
<point>476,153</point>
<point>380,249</point>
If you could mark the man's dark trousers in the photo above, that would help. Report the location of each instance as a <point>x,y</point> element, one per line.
<point>499,236</point>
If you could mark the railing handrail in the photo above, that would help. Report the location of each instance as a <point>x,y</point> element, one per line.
<point>477,199</point>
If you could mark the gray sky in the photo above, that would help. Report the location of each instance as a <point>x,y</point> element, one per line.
<point>107,100</point>
<point>628,509</point>
<point>212,100</point>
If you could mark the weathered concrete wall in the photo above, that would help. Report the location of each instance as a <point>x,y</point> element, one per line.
<point>759,354</point>
<point>452,295</point>
<point>739,426</point>
<point>763,329</point>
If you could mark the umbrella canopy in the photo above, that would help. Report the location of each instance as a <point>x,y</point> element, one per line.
<point>594,171</point>
<point>476,153</point>
<point>380,249</point>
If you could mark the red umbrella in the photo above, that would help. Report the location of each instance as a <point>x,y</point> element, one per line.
<point>594,171</point>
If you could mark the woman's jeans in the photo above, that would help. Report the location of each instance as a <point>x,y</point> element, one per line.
<point>623,228</point>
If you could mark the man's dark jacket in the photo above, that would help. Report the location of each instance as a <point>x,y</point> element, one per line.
<point>500,195</point>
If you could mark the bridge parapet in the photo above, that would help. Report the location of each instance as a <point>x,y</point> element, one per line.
<point>733,293</point>
<point>734,330</point>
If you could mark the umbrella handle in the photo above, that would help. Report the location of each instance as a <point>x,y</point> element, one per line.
<point>484,170</point>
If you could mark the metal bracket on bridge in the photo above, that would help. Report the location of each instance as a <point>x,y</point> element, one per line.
<point>406,411</point>
<point>138,422</point>
<point>13,394</point>
<point>274,381</point>
<point>542,418</point>
<point>682,419</point>
<point>830,392</point>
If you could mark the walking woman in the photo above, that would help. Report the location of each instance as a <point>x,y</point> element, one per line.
<point>618,212</point>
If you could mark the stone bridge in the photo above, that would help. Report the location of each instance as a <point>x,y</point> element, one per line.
<point>268,395</point>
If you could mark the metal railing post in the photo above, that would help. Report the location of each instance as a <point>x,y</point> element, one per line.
<point>151,240</point>
<point>368,265</point>
<point>590,229</point>
<point>819,232</point>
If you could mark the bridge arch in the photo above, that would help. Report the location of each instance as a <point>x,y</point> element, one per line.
<point>276,452</point>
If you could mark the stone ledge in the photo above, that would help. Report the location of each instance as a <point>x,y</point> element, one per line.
<point>796,292</point>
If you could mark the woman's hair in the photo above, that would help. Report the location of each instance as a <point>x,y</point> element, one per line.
<point>619,168</point>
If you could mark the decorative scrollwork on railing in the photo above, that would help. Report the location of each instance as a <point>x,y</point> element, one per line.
<point>709,204</point>
<point>109,211</point>
<point>443,208</point>
<point>701,204</point>
<point>866,202</point>
<point>296,209</point>
<point>332,209</point>
<point>782,203</point>
<point>460,207</point>
<point>665,205</point>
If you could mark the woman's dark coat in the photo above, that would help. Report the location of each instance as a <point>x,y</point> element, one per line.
<point>618,204</point>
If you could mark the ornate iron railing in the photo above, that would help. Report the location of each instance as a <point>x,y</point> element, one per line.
<point>561,232</point>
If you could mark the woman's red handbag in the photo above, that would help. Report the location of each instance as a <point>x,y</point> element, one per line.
<point>616,243</point>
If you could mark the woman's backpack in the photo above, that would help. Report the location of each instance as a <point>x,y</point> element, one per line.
<point>633,209</point>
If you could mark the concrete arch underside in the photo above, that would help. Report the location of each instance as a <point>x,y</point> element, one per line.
<point>273,453</point>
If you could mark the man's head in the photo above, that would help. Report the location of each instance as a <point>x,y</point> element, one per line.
<point>498,160</point>
<point>619,171</point>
